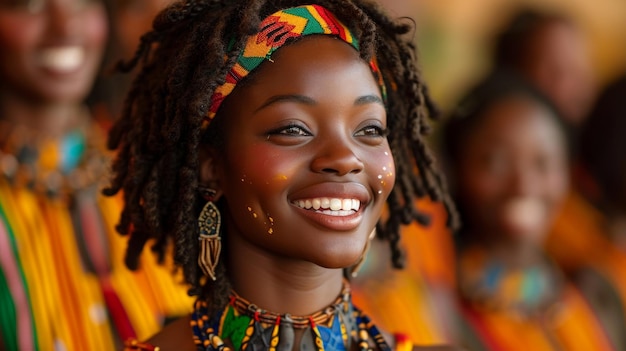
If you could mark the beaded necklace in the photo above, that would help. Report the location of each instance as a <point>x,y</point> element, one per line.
<point>52,166</point>
<point>491,284</point>
<point>249,327</point>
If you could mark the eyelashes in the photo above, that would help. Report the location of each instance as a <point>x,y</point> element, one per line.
<point>297,130</point>
<point>372,131</point>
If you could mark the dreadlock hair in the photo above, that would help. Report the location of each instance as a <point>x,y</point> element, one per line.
<point>468,116</point>
<point>186,56</point>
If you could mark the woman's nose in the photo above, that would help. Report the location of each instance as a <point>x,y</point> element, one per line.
<point>337,156</point>
<point>62,17</point>
<point>523,182</point>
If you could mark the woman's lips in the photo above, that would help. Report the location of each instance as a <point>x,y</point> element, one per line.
<point>524,215</point>
<point>340,207</point>
<point>61,59</point>
<point>335,220</point>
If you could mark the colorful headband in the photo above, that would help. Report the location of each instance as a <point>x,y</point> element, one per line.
<point>274,32</point>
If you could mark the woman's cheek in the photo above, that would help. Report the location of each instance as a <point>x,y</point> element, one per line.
<point>95,26</point>
<point>384,171</point>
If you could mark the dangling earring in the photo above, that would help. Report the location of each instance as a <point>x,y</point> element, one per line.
<point>354,271</point>
<point>209,222</point>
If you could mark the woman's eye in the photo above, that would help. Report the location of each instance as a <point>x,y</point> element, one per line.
<point>292,130</point>
<point>372,131</point>
<point>295,130</point>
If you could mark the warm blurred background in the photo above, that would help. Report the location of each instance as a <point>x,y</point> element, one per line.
<point>454,36</point>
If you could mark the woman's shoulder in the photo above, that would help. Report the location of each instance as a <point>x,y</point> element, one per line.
<point>176,336</point>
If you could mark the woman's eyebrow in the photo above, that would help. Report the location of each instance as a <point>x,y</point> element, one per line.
<point>368,99</point>
<point>302,99</point>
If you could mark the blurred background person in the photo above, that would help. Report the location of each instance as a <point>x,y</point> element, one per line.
<point>549,50</point>
<point>62,281</point>
<point>507,154</point>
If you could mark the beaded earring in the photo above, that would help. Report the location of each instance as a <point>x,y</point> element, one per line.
<point>209,222</point>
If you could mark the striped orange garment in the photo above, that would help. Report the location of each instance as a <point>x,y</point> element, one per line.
<point>413,301</point>
<point>571,325</point>
<point>578,239</point>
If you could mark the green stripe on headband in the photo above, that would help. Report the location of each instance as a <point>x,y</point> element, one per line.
<point>277,30</point>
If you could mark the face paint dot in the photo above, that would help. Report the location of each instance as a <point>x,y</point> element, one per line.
<point>270,231</point>
<point>380,191</point>
<point>380,176</point>
<point>280,177</point>
<point>386,153</point>
<point>271,220</point>
<point>254,215</point>
<point>249,209</point>
<point>384,168</point>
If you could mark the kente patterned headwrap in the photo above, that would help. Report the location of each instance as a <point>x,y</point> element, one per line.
<point>275,31</point>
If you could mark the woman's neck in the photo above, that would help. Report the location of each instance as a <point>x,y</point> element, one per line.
<point>280,285</point>
<point>46,120</point>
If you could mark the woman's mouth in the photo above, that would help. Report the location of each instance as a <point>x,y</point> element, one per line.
<point>63,59</point>
<point>330,206</point>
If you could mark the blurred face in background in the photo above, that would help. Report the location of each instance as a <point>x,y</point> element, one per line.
<point>558,63</point>
<point>512,172</point>
<point>50,50</point>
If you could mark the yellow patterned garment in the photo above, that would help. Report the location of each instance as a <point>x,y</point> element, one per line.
<point>63,285</point>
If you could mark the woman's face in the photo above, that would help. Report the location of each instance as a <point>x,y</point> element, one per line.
<point>50,50</point>
<point>307,167</point>
<point>513,172</point>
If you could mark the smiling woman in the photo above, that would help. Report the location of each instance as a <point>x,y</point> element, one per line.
<point>284,128</point>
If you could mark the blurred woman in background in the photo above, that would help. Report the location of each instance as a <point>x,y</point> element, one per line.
<point>507,154</point>
<point>62,281</point>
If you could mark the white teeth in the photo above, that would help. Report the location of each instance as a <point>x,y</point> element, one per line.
<point>337,213</point>
<point>62,58</point>
<point>335,204</point>
<point>346,204</point>
<point>317,203</point>
<point>325,202</point>
<point>327,205</point>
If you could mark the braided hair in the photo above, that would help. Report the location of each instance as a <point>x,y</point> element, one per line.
<point>186,56</point>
